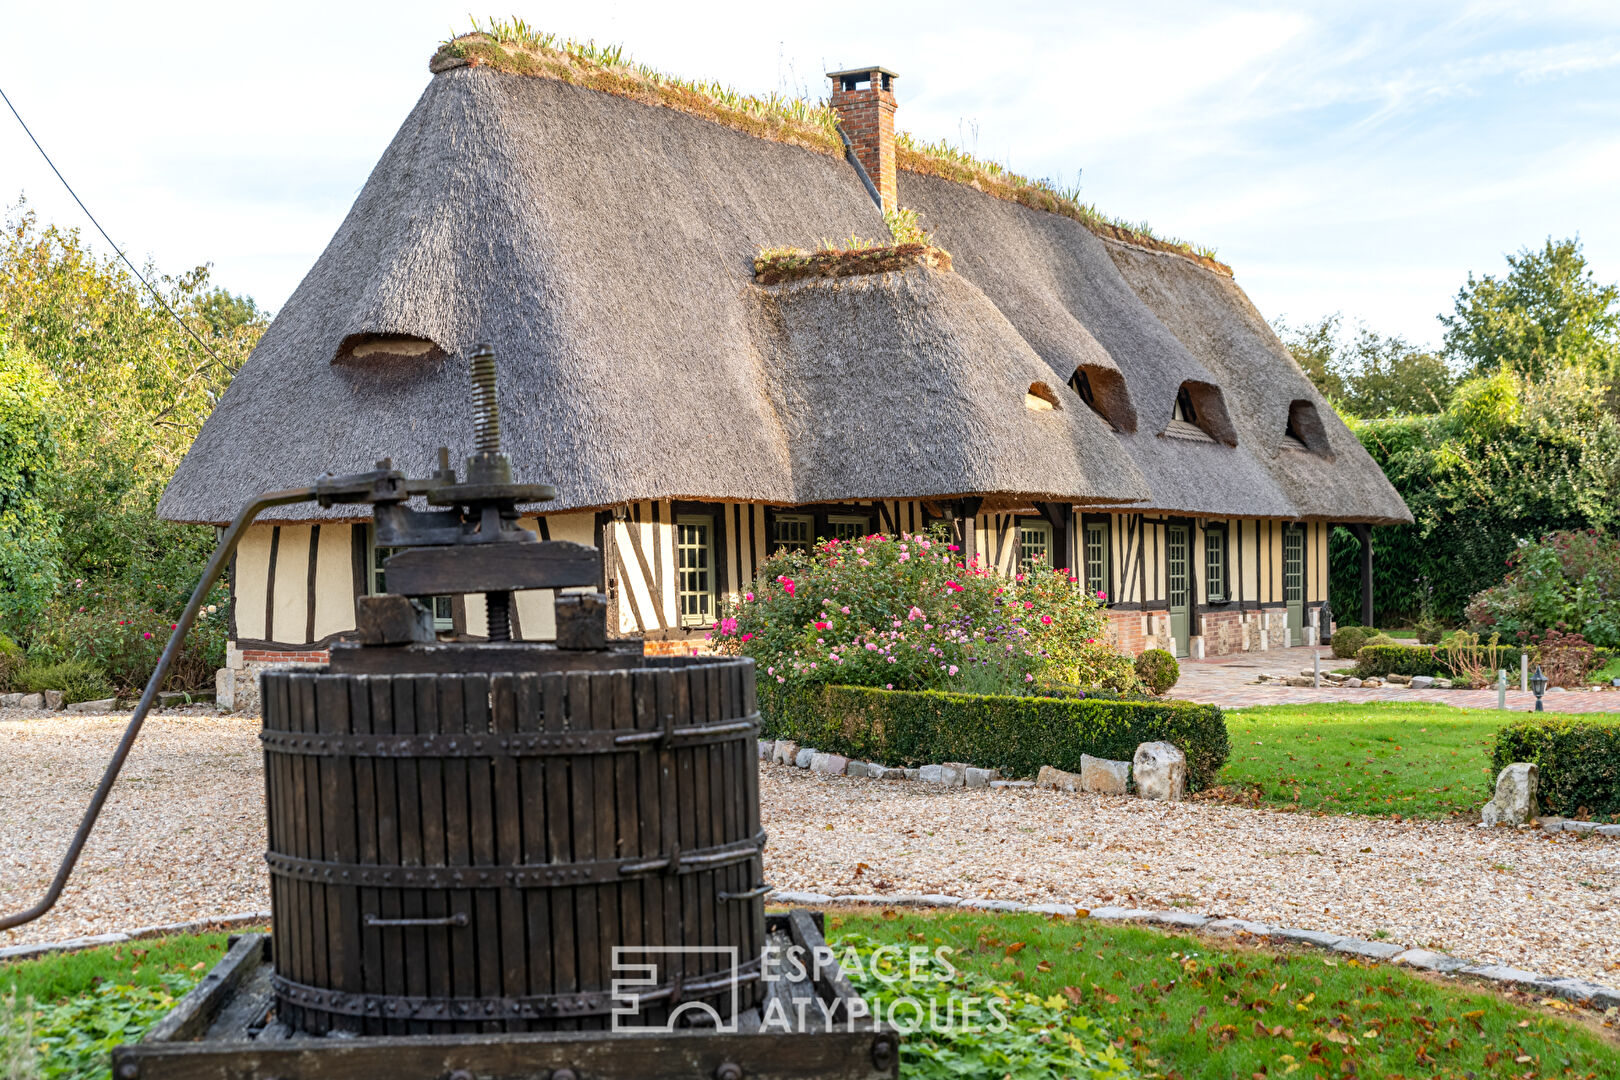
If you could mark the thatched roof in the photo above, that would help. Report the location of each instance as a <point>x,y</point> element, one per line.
<point>605,246</point>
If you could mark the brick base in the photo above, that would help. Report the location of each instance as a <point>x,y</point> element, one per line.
<point>302,656</point>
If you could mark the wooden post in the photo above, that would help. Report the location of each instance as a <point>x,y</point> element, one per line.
<point>1364,534</point>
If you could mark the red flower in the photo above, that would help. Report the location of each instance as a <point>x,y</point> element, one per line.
<point>821,626</point>
<point>746,637</point>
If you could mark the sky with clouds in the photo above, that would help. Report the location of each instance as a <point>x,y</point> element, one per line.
<point>1355,157</point>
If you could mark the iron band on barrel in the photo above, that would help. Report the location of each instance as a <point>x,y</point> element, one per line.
<point>513,745</point>
<point>521,876</point>
<point>532,1007</point>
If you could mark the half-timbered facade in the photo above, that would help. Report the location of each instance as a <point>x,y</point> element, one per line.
<point>1055,397</point>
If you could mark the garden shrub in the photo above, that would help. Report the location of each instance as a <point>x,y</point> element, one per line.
<point>1578,760</point>
<point>11,658</point>
<point>909,612</point>
<point>1348,640</point>
<point>1566,659</point>
<point>1158,670</point>
<point>124,640</point>
<point>1566,581</point>
<point>1014,733</point>
<point>79,680</point>
<point>1381,661</point>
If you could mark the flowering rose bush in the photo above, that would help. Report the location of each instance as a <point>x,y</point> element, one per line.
<point>1566,581</point>
<point>124,639</point>
<point>910,613</point>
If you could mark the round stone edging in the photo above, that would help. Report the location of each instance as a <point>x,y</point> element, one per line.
<point>1581,991</point>
<point>197,926</point>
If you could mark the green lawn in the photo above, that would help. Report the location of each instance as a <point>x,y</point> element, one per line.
<point>1416,760</point>
<point>1179,1007</point>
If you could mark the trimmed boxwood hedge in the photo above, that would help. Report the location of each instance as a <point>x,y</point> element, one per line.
<point>1578,761</point>
<point>1381,660</point>
<point>1014,734</point>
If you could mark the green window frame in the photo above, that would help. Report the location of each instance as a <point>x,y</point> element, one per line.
<point>1096,558</point>
<point>377,582</point>
<point>1034,545</point>
<point>848,526</point>
<point>793,532</point>
<point>1215,577</point>
<point>695,569</point>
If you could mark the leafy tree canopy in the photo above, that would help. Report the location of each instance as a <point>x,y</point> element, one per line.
<point>130,389</point>
<point>1549,311</point>
<point>1367,374</point>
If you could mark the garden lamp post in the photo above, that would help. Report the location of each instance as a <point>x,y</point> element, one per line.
<point>1538,683</point>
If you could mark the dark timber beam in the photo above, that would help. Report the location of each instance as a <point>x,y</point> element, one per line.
<point>1363,533</point>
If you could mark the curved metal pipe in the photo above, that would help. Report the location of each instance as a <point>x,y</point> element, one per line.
<point>860,170</point>
<point>216,565</point>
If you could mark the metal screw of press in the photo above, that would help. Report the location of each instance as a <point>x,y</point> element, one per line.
<point>487,442</point>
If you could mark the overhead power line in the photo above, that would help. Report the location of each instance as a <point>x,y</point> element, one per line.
<point>138,276</point>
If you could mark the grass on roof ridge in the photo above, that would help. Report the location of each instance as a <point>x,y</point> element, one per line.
<point>514,47</point>
<point>774,266</point>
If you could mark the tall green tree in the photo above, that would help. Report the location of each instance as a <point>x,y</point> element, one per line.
<point>132,389</point>
<point>29,529</point>
<point>1366,374</point>
<point>1548,311</point>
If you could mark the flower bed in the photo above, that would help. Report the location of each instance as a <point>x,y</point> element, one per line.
<point>1016,734</point>
<point>910,613</point>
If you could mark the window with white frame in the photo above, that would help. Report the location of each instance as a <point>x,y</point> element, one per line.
<point>1215,563</point>
<point>793,532</point>
<point>848,526</point>
<point>1034,545</point>
<point>1096,557</point>
<point>694,569</point>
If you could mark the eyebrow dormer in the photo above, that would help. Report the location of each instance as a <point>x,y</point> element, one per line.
<point>1103,389</point>
<point>386,349</point>
<point>1305,431</point>
<point>1199,415</point>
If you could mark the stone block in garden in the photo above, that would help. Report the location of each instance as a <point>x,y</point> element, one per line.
<point>978,778</point>
<point>32,701</point>
<point>766,747</point>
<point>1103,776</point>
<point>1608,830</point>
<point>1422,682</point>
<point>100,706</point>
<point>953,774</point>
<point>930,774</point>
<point>1299,680</point>
<point>804,757</point>
<point>1024,784</point>
<point>1056,779</point>
<point>1351,682</point>
<point>856,769</point>
<point>9,701</point>
<point>1372,683</point>
<point>784,751</point>
<point>1398,680</point>
<point>1376,950</point>
<point>1160,771</point>
<point>54,700</point>
<point>829,764</point>
<point>912,774</point>
<point>1429,960</point>
<point>1515,799</point>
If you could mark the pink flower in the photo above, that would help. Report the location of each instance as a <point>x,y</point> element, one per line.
<point>844,609</point>
<point>788,587</point>
<point>1029,678</point>
<point>1102,595</point>
<point>747,637</point>
<point>953,547</point>
<point>952,671</point>
<point>749,598</point>
<point>1046,620</point>
<point>914,614</point>
<point>148,634</point>
<point>888,686</point>
<point>1029,605</point>
<point>821,626</point>
<point>904,555</point>
<point>953,586</point>
<point>728,627</point>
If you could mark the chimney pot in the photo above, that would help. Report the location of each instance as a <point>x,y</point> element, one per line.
<point>865,103</point>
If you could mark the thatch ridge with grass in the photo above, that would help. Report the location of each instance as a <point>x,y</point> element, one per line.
<point>773,266</point>
<point>515,48</point>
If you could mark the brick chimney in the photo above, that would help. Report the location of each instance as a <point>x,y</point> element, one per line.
<point>864,100</point>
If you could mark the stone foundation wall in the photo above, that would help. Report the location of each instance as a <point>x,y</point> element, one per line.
<point>236,685</point>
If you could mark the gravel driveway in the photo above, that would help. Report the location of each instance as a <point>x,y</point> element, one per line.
<point>183,839</point>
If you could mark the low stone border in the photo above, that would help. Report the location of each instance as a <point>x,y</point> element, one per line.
<point>1158,771</point>
<point>198,926</point>
<point>1581,991</point>
<point>1587,828</point>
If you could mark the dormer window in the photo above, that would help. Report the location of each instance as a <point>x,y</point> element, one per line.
<point>1104,391</point>
<point>1041,398</point>
<point>381,350</point>
<point>1304,431</point>
<point>1199,415</point>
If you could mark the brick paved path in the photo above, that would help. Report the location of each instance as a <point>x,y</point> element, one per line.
<point>1229,682</point>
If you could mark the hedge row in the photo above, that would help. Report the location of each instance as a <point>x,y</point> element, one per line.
<point>1014,734</point>
<point>1578,762</point>
<point>1383,660</point>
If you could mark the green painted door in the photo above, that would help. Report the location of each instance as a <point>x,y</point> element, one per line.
<point>1177,588</point>
<point>1294,582</point>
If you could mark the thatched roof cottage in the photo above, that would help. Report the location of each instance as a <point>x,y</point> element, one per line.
<point>1061,391</point>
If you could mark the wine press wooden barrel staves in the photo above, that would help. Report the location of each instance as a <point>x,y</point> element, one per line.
<point>455,853</point>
